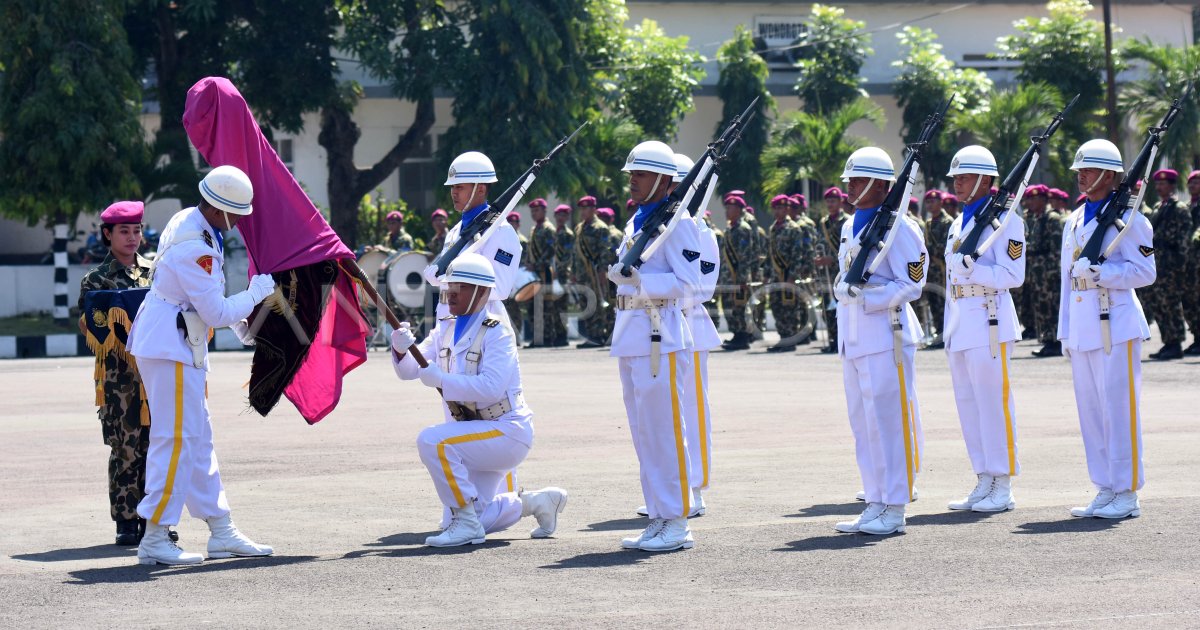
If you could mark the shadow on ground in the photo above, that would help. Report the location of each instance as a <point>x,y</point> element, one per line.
<point>829,509</point>
<point>1070,525</point>
<point>620,557</point>
<point>98,552</point>
<point>637,522</point>
<point>144,573</point>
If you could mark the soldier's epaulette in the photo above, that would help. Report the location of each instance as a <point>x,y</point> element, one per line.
<point>490,323</point>
<point>208,239</point>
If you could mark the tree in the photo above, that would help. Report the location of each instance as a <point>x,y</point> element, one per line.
<point>743,77</point>
<point>1010,118</point>
<point>925,80</point>
<point>654,79</point>
<point>68,115</point>
<point>1147,98</point>
<point>814,146</point>
<point>607,141</point>
<point>831,52</point>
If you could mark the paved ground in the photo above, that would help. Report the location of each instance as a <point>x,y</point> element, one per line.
<point>346,504</point>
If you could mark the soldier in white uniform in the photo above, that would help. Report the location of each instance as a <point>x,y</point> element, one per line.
<point>1107,372</point>
<point>488,429</point>
<point>652,342</point>
<point>878,333</point>
<point>980,328</point>
<point>169,337</point>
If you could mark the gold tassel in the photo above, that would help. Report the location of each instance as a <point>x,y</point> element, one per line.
<point>98,376</point>
<point>145,416</point>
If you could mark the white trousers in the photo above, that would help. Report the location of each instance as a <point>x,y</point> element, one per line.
<point>699,433</point>
<point>472,461</point>
<point>181,466</point>
<point>986,410</point>
<point>884,418</point>
<point>658,425</point>
<point>1107,393</point>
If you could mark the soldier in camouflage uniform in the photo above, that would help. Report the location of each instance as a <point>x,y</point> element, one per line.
<point>806,271</point>
<point>1172,222</point>
<point>121,404</point>
<point>830,228</point>
<point>758,304</point>
<point>1191,276</point>
<point>937,229</point>
<point>397,240</point>
<point>785,245</point>
<point>438,242</point>
<point>564,255</point>
<point>593,255</point>
<point>516,312</point>
<point>1043,247</point>
<point>739,256</point>
<point>539,259</point>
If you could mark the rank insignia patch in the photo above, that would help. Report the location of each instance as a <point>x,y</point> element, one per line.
<point>916,270</point>
<point>707,267</point>
<point>690,255</point>
<point>1015,249</point>
<point>206,263</point>
<point>208,239</point>
<point>1146,251</point>
<point>503,257</point>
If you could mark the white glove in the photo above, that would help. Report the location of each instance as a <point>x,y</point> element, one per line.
<point>962,265</point>
<point>633,279</point>
<point>847,294</point>
<point>1083,268</point>
<point>242,330</point>
<point>403,338</point>
<point>261,286</point>
<point>431,275</point>
<point>432,375</point>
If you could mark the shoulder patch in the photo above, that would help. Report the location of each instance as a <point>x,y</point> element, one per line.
<point>1015,249</point>
<point>206,263</point>
<point>503,257</point>
<point>707,267</point>
<point>1146,251</point>
<point>916,270</point>
<point>490,323</point>
<point>690,255</point>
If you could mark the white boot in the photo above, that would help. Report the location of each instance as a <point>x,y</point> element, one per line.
<point>1000,497</point>
<point>1103,498</point>
<point>982,488</point>
<point>1123,504</point>
<point>889,521</point>
<point>643,511</point>
<point>861,495</point>
<point>673,535</point>
<point>157,548</point>
<point>650,532</point>
<point>699,508</point>
<point>871,513</point>
<point>227,542</point>
<point>545,505</point>
<point>464,528</point>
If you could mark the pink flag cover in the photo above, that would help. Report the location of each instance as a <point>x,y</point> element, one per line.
<point>284,232</point>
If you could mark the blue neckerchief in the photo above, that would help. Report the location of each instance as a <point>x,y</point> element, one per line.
<point>970,209</point>
<point>462,324</point>
<point>644,211</point>
<point>1090,208</point>
<point>862,217</point>
<point>220,240</point>
<point>470,215</point>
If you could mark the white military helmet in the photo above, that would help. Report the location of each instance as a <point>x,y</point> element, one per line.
<point>1098,153</point>
<point>683,164</point>
<point>471,167</point>
<point>653,156</point>
<point>471,268</point>
<point>870,162</point>
<point>227,188</point>
<point>975,160</point>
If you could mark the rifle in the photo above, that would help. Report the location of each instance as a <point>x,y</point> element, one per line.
<point>497,212</point>
<point>1110,215</point>
<point>881,230</point>
<point>663,219</point>
<point>1010,191</point>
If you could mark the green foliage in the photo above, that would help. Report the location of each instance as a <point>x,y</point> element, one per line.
<point>1009,119</point>
<point>656,76</point>
<point>743,77</point>
<point>1066,50</point>
<point>814,146</point>
<point>372,228</point>
<point>68,109</point>
<point>830,58</point>
<point>607,140</point>
<point>1147,99</point>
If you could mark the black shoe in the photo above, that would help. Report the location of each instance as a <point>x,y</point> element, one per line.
<point>740,341</point>
<point>1049,349</point>
<point>782,348</point>
<point>830,349</point>
<point>127,532</point>
<point>1169,352</point>
<point>1028,334</point>
<point>1193,350</point>
<point>589,344</point>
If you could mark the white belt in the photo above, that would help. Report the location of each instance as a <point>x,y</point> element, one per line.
<point>633,303</point>
<point>490,412</point>
<point>155,294</point>
<point>958,291</point>
<point>1083,284</point>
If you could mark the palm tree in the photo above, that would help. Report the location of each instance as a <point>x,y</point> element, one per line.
<point>1009,118</point>
<point>1147,99</point>
<point>813,145</point>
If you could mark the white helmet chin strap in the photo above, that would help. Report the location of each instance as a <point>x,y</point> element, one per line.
<point>975,188</point>
<point>657,181</point>
<point>1094,184</point>
<point>225,215</point>
<point>866,189</point>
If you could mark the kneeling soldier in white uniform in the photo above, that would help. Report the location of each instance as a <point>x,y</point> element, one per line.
<point>1107,372</point>
<point>980,328</point>
<point>489,428</point>
<point>169,337</point>
<point>651,340</point>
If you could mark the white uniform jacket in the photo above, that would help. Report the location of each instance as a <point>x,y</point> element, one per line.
<point>502,249</point>
<point>1130,267</point>
<point>1000,268</point>
<point>866,328</point>
<point>187,276</point>
<point>672,273</point>
<point>499,376</point>
<point>704,331</point>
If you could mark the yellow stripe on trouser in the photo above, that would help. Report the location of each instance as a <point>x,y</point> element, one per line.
<point>1008,423</point>
<point>1133,419</point>
<point>684,489</point>
<point>701,419</point>
<point>175,448</point>
<point>912,417</point>
<point>459,439</point>
<point>908,437</point>
<point>509,478</point>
